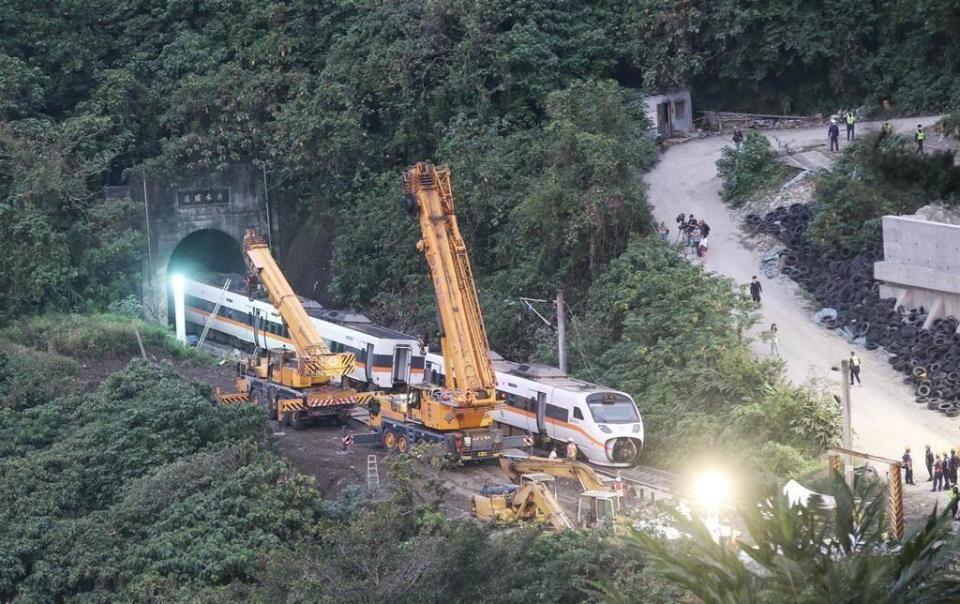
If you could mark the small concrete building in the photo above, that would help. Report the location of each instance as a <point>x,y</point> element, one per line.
<point>670,113</point>
<point>921,265</point>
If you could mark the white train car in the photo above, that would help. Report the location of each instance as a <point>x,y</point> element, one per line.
<point>386,359</point>
<point>604,424</point>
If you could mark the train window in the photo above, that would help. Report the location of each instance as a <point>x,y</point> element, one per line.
<point>557,412</point>
<point>577,414</point>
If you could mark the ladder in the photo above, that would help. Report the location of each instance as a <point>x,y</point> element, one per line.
<point>373,474</point>
<point>216,309</point>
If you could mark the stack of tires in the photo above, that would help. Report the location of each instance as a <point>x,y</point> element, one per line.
<point>839,279</point>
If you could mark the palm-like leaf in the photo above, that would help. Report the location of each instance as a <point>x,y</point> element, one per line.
<point>810,553</point>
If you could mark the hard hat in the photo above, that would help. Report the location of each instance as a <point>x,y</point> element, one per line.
<point>833,121</point>
<point>569,440</point>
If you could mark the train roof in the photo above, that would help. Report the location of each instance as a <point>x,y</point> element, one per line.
<point>545,374</point>
<point>346,318</point>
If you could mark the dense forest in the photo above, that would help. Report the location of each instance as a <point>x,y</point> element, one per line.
<point>142,490</point>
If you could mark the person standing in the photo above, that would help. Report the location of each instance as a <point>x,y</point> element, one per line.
<point>854,368</point>
<point>954,466</point>
<point>908,466</point>
<point>945,468</point>
<point>664,230</point>
<point>737,138</point>
<point>755,289</point>
<point>702,248</point>
<point>774,340</point>
<point>851,121</point>
<point>695,236</point>
<point>928,458</point>
<point>571,450</point>
<point>937,474</point>
<point>920,136</point>
<point>954,503</point>
<point>833,133</point>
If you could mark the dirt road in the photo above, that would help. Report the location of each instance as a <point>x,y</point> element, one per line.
<point>885,417</point>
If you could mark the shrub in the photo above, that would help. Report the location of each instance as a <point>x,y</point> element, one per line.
<point>750,171</point>
<point>98,337</point>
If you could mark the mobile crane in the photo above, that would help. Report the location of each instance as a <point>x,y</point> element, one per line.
<point>457,415</point>
<point>292,386</point>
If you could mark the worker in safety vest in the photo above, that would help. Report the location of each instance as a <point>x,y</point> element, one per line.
<point>571,450</point>
<point>851,120</point>
<point>854,368</point>
<point>920,137</point>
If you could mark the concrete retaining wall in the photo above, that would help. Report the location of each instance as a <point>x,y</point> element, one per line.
<point>921,265</point>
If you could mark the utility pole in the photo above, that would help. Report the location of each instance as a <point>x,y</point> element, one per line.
<point>561,324</point>
<point>561,332</point>
<point>845,375</point>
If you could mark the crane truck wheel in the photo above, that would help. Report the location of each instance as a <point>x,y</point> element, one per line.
<point>403,445</point>
<point>390,440</point>
<point>296,420</point>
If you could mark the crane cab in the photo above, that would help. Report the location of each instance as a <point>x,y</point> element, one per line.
<point>597,509</point>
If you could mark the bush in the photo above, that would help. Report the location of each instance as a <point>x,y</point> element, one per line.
<point>98,337</point>
<point>750,171</point>
<point>874,178</point>
<point>31,377</point>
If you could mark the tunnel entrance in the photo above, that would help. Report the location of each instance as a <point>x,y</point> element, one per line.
<point>202,255</point>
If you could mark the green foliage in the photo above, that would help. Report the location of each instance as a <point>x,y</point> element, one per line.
<point>667,333</point>
<point>750,171</point>
<point>874,178</point>
<point>810,553</point>
<point>98,337</point>
<point>30,377</point>
<point>62,246</point>
<point>145,490</point>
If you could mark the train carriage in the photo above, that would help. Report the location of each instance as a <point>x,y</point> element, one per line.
<point>386,359</point>
<point>604,424</point>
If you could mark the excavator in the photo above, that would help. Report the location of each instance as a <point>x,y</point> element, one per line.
<point>534,501</point>
<point>297,386</point>
<point>458,414</point>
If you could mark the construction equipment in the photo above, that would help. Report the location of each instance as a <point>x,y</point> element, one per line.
<point>292,386</point>
<point>458,414</point>
<point>533,501</point>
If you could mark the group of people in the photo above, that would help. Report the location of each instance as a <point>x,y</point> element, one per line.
<point>942,469</point>
<point>886,130</point>
<point>833,132</point>
<point>691,231</point>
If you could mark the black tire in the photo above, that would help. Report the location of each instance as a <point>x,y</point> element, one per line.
<point>296,419</point>
<point>389,440</point>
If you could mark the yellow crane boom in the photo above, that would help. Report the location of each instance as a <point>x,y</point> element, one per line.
<point>458,414</point>
<point>314,359</point>
<point>463,336</point>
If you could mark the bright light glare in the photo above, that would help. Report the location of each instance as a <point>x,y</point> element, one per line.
<point>712,489</point>
<point>178,307</point>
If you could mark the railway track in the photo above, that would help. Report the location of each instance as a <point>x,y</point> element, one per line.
<point>648,479</point>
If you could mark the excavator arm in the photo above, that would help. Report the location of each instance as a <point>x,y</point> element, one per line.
<point>559,468</point>
<point>314,359</point>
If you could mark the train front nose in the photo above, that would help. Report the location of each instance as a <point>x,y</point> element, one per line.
<point>624,450</point>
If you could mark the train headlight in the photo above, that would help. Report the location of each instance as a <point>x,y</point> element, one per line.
<point>467,441</point>
<point>605,429</point>
<point>636,428</point>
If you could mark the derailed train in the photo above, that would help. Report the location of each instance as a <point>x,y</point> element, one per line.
<point>603,423</point>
